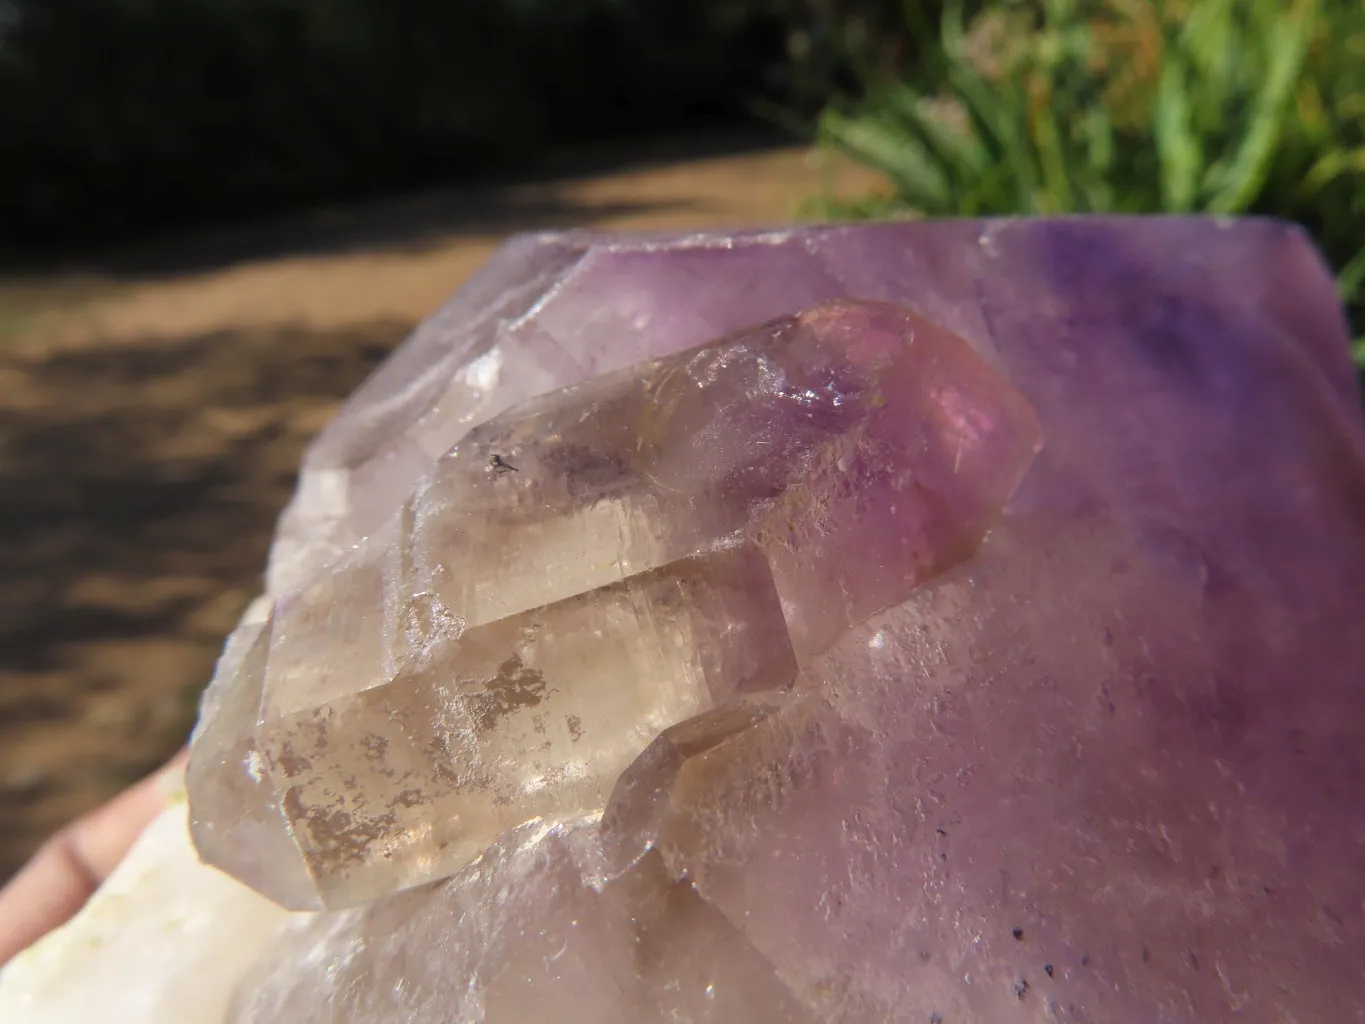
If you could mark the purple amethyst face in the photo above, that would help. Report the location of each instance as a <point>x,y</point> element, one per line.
<point>926,621</point>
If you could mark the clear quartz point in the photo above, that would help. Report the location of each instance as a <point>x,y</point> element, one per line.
<point>585,570</point>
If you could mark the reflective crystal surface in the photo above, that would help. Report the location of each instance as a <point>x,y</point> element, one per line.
<point>585,570</point>
<point>1105,764</point>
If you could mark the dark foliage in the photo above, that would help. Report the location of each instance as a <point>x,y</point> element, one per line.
<point>122,116</point>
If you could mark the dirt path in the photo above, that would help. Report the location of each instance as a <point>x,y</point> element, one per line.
<point>151,423</point>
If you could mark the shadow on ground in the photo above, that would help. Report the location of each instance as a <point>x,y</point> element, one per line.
<point>418,221</point>
<point>409,225</point>
<point>139,487</point>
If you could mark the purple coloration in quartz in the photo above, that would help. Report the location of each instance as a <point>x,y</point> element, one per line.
<point>585,570</point>
<point>1107,764</point>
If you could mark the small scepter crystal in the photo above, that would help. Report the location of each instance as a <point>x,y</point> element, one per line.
<point>584,571</point>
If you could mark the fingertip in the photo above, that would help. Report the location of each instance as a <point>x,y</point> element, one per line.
<point>53,886</point>
<point>46,892</point>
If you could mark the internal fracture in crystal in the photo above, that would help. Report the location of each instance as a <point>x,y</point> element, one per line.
<point>587,569</point>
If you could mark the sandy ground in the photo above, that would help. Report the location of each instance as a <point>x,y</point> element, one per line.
<point>152,414</point>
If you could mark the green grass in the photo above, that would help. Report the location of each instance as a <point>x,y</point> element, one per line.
<point>1223,107</point>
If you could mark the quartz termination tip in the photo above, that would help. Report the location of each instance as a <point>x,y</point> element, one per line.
<point>582,572</point>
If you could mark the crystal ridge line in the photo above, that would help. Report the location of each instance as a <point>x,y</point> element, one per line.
<point>585,570</point>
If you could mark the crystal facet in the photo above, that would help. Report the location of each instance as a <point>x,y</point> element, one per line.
<point>1105,763</point>
<point>587,569</point>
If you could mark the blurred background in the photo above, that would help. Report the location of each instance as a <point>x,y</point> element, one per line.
<point>217,217</point>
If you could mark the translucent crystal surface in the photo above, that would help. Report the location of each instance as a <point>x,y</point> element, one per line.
<point>1110,766</point>
<point>641,947</point>
<point>583,571</point>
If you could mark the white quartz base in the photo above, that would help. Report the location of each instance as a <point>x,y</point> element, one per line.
<point>163,941</point>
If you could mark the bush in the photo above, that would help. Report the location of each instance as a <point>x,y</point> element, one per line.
<point>1133,106</point>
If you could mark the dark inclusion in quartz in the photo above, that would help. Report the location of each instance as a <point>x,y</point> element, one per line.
<point>904,722</point>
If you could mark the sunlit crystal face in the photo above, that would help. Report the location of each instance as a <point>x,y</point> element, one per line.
<point>1105,766</point>
<point>591,567</point>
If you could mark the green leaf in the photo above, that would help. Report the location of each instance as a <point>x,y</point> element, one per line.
<point>1351,276</point>
<point>1177,145</point>
<point>1047,137</point>
<point>1251,165</point>
<point>1210,46</point>
<point>923,37</point>
<point>998,112</point>
<point>1329,167</point>
<point>909,166</point>
<point>960,151</point>
<point>1097,132</point>
<point>1044,130</point>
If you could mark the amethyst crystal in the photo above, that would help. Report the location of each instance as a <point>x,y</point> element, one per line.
<point>1105,764</point>
<point>582,572</point>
